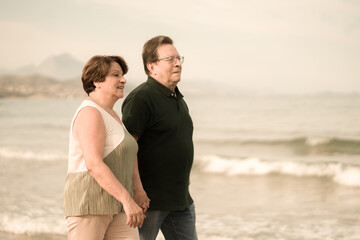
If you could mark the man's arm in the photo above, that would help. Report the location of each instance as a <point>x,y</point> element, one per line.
<point>140,196</point>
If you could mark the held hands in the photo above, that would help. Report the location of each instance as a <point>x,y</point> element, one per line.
<point>142,199</point>
<point>135,215</point>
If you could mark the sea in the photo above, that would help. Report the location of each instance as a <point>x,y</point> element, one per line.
<point>266,166</point>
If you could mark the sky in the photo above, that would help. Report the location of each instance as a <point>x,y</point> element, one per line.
<point>278,45</point>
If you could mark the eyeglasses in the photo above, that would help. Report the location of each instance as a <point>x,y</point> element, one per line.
<point>172,59</point>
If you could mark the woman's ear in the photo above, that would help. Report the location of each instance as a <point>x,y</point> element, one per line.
<point>97,85</point>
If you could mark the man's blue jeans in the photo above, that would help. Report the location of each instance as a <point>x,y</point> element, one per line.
<point>174,225</point>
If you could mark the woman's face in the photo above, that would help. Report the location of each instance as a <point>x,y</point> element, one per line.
<point>114,83</point>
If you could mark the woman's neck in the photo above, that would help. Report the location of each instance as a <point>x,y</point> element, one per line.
<point>102,101</point>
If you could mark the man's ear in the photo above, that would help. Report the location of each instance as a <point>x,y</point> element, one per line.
<point>150,67</point>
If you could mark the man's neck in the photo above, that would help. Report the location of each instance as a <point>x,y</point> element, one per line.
<point>166,84</point>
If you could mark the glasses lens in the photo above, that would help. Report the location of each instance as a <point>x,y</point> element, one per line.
<point>172,59</point>
<point>181,59</point>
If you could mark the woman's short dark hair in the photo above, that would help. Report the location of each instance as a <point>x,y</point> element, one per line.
<point>149,53</point>
<point>97,68</point>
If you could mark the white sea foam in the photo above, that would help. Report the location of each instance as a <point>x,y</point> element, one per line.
<point>340,173</point>
<point>349,176</point>
<point>19,224</point>
<point>40,155</point>
<point>315,141</point>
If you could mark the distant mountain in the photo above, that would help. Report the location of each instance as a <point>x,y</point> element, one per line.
<point>60,67</point>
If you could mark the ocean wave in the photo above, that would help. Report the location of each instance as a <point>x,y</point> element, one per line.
<point>302,145</point>
<point>340,173</point>
<point>40,125</point>
<point>46,126</point>
<point>41,155</point>
<point>29,225</point>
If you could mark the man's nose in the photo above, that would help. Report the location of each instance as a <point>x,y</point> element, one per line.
<point>177,63</point>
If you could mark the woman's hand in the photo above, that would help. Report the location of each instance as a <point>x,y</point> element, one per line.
<point>135,215</point>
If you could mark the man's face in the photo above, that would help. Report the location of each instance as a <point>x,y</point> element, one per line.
<point>165,71</point>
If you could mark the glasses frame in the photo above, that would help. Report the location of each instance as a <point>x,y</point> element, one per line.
<point>172,59</point>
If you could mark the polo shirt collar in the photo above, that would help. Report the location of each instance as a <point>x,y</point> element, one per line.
<point>162,89</point>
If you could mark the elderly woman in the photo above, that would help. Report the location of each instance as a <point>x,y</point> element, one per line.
<point>102,167</point>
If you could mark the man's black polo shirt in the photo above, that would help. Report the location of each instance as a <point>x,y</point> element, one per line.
<point>162,122</point>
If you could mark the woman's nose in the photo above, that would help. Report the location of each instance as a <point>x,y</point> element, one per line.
<point>123,80</point>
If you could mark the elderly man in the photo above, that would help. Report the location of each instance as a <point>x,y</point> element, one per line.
<point>156,114</point>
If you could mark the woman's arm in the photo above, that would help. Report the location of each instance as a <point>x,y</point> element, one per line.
<point>89,128</point>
